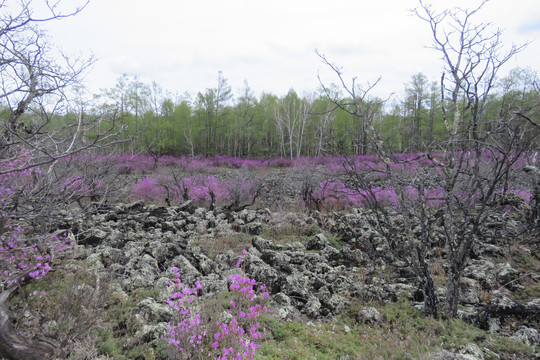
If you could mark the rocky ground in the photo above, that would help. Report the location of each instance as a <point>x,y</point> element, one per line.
<point>313,273</point>
<point>109,292</point>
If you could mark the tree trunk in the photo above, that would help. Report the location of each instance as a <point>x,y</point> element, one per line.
<point>452,293</point>
<point>14,346</point>
<point>430,300</point>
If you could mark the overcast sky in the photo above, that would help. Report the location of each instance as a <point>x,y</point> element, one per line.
<point>182,45</point>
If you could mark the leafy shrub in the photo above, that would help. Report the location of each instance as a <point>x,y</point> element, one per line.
<point>231,333</point>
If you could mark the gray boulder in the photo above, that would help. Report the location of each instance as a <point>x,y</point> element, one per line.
<point>369,315</point>
<point>507,276</point>
<point>257,269</point>
<point>262,244</point>
<point>283,304</point>
<point>527,335</point>
<point>312,307</point>
<point>153,312</point>
<point>318,242</point>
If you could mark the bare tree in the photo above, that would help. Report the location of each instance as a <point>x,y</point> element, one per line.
<point>463,177</point>
<point>473,55</point>
<point>401,251</point>
<point>45,123</point>
<point>358,102</point>
<point>323,131</point>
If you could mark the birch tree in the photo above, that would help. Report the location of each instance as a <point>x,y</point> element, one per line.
<point>291,115</point>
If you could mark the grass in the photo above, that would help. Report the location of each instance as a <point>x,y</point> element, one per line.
<point>216,245</point>
<point>336,242</point>
<point>528,263</point>
<point>285,231</point>
<point>404,334</point>
<point>107,324</point>
<point>528,293</point>
<point>72,306</point>
<point>82,310</point>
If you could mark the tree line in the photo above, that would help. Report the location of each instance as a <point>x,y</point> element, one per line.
<point>217,121</point>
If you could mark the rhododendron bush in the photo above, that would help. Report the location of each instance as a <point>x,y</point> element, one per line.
<point>22,254</point>
<point>335,192</point>
<point>336,195</point>
<point>202,190</point>
<point>227,333</point>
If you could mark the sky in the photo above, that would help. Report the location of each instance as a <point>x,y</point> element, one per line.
<point>181,45</point>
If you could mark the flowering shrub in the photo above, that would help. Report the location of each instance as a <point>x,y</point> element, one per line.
<point>76,186</point>
<point>208,188</point>
<point>138,163</point>
<point>12,181</point>
<point>149,189</point>
<point>231,334</point>
<point>75,183</point>
<point>408,162</point>
<point>200,189</point>
<point>20,254</point>
<point>336,194</point>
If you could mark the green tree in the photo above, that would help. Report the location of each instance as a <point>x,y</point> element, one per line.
<point>244,112</point>
<point>211,106</point>
<point>416,94</point>
<point>322,129</point>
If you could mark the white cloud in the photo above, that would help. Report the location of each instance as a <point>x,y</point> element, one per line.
<point>182,44</point>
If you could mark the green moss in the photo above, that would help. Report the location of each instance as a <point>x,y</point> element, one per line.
<point>509,347</point>
<point>141,294</point>
<point>213,246</point>
<point>145,352</point>
<point>405,332</point>
<point>531,292</point>
<point>336,242</point>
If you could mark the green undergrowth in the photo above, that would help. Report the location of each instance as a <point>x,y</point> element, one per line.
<point>288,232</point>
<point>404,334</point>
<point>336,242</point>
<point>87,310</point>
<point>85,316</point>
<point>527,262</point>
<point>114,339</point>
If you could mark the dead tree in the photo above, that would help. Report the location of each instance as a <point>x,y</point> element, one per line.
<point>14,346</point>
<point>470,168</point>
<point>401,251</point>
<point>473,56</point>
<point>46,122</point>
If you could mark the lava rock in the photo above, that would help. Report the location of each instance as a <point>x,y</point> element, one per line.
<point>369,315</point>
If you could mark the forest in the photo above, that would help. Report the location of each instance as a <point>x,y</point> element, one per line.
<point>219,122</point>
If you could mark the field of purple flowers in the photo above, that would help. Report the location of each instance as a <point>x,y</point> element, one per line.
<point>200,180</point>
